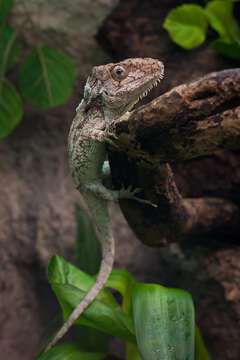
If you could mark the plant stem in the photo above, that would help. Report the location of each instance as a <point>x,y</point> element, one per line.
<point>45,74</point>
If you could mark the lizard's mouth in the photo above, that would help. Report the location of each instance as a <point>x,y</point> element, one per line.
<point>154,84</point>
<point>147,87</point>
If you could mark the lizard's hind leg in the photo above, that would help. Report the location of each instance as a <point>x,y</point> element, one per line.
<point>101,191</point>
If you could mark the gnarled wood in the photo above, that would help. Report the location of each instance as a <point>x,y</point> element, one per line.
<point>189,121</point>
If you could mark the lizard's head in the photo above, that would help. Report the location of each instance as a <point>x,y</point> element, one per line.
<point>121,85</point>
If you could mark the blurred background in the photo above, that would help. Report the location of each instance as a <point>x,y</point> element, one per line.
<point>37,196</point>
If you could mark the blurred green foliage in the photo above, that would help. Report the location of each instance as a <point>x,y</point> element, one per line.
<point>187,26</point>
<point>46,74</point>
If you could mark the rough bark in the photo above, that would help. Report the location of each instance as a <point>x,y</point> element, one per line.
<point>189,121</point>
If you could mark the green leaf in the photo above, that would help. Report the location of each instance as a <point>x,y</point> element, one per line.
<point>47,77</point>
<point>71,285</point>
<point>132,352</point>
<point>96,315</point>
<point>89,252</point>
<point>220,17</point>
<point>121,280</point>
<point>90,339</point>
<point>61,272</point>
<point>187,25</point>
<point>201,352</point>
<point>164,322</point>
<point>9,48</point>
<point>70,351</point>
<point>11,110</point>
<point>124,282</point>
<point>5,6</point>
<point>229,50</point>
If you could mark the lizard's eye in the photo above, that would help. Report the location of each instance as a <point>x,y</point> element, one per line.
<point>119,72</point>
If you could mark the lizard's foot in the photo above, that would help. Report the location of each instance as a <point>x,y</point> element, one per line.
<point>130,193</point>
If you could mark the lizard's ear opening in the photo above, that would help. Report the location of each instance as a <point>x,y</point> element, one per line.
<point>119,73</point>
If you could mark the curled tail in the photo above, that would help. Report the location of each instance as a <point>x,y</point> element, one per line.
<point>99,211</point>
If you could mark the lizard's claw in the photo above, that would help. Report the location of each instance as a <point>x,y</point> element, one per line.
<point>112,135</point>
<point>111,142</point>
<point>129,193</point>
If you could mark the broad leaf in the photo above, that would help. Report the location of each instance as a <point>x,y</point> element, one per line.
<point>220,17</point>
<point>164,322</point>
<point>47,77</point>
<point>90,339</point>
<point>187,25</point>
<point>96,315</point>
<point>9,48</point>
<point>11,110</point>
<point>61,272</point>
<point>70,351</point>
<point>5,6</point>
<point>89,252</point>
<point>124,282</point>
<point>121,280</point>
<point>71,285</point>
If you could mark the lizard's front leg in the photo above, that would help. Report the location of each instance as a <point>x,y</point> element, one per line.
<point>98,135</point>
<point>96,187</point>
<point>102,134</point>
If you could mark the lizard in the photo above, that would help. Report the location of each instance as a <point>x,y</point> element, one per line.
<point>111,90</point>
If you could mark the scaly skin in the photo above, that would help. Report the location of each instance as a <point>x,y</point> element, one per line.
<point>111,90</point>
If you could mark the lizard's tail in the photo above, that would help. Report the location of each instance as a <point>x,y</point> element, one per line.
<point>100,214</point>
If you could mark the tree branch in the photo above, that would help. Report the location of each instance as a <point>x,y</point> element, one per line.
<point>189,121</point>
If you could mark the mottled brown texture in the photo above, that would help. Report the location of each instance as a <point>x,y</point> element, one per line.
<point>29,198</point>
<point>189,121</point>
<point>219,312</point>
